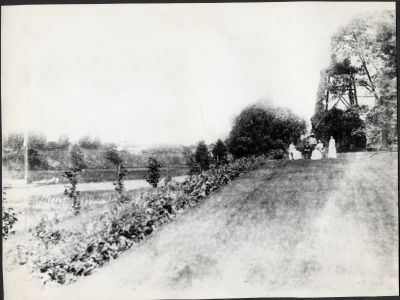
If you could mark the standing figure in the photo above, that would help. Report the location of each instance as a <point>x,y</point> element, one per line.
<point>312,141</point>
<point>332,148</point>
<point>307,151</point>
<point>300,144</point>
<point>318,151</point>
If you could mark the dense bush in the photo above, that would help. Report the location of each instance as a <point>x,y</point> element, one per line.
<point>194,167</point>
<point>113,156</point>
<point>276,154</point>
<point>119,184</point>
<point>63,255</point>
<point>72,175</point>
<point>9,217</point>
<point>220,152</point>
<point>36,159</point>
<point>262,127</point>
<point>153,173</point>
<point>77,157</point>
<point>202,156</point>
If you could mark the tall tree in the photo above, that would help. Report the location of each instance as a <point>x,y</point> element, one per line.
<point>220,151</point>
<point>114,157</point>
<point>77,157</point>
<point>370,44</point>
<point>202,156</point>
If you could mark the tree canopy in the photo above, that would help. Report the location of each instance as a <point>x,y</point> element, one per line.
<point>202,156</point>
<point>365,50</point>
<point>220,151</point>
<point>262,127</point>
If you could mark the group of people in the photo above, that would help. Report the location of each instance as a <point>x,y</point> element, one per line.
<point>310,148</point>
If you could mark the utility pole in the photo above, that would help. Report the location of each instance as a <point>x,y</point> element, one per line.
<point>26,162</point>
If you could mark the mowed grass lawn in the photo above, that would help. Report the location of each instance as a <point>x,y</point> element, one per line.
<point>292,228</point>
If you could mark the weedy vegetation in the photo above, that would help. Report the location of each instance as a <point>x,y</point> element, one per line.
<point>61,251</point>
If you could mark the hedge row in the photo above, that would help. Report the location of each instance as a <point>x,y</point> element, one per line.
<point>131,222</point>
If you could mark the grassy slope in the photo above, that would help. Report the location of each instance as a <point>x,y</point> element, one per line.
<point>301,228</point>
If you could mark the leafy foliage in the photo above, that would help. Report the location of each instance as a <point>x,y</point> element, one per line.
<point>72,175</point>
<point>220,152</point>
<point>369,42</point>
<point>193,165</point>
<point>8,217</point>
<point>153,173</point>
<point>119,183</point>
<point>262,127</point>
<point>88,142</point>
<point>113,156</point>
<point>36,160</point>
<point>63,255</point>
<point>77,157</point>
<point>202,156</point>
<point>37,141</point>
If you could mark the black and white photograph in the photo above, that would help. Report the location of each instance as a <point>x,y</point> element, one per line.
<point>199,150</point>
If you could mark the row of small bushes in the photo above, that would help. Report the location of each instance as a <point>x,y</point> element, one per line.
<point>128,223</point>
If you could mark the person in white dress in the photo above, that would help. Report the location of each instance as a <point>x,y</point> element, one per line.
<point>318,151</point>
<point>294,154</point>
<point>332,148</point>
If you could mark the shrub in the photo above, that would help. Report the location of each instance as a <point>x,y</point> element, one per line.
<point>113,156</point>
<point>202,156</point>
<point>72,175</point>
<point>194,167</point>
<point>220,152</point>
<point>8,217</point>
<point>276,154</point>
<point>36,160</point>
<point>119,183</point>
<point>153,173</point>
<point>77,157</point>
<point>262,127</point>
<point>46,234</point>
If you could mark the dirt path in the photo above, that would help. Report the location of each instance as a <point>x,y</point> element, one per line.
<point>303,228</point>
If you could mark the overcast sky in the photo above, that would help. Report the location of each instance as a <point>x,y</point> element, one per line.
<point>153,74</point>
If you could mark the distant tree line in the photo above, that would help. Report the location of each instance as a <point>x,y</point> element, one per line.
<point>87,151</point>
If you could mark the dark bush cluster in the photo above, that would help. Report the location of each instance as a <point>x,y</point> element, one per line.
<point>72,175</point>
<point>9,217</point>
<point>220,152</point>
<point>262,128</point>
<point>154,173</point>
